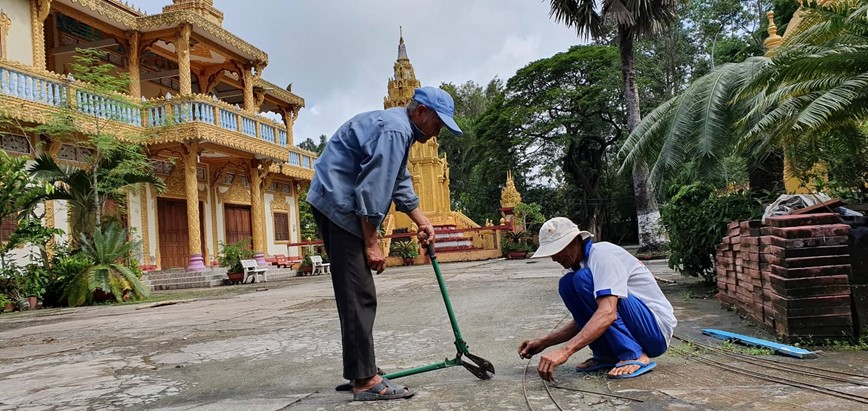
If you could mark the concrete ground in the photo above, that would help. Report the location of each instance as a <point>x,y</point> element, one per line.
<point>277,346</point>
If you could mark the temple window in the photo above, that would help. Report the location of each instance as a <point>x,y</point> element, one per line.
<point>281,227</point>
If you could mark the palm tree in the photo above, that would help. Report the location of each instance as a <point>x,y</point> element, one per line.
<point>105,249</point>
<point>633,19</point>
<point>815,87</point>
<point>87,190</point>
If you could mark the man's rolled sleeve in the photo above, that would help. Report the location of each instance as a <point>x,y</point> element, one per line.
<point>405,198</point>
<point>379,169</point>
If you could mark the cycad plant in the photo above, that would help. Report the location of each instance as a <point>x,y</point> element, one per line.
<point>817,82</point>
<point>814,88</point>
<point>107,249</point>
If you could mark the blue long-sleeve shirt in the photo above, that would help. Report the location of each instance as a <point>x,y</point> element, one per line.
<point>364,168</point>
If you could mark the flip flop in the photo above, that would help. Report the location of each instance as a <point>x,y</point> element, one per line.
<point>601,365</point>
<point>393,392</point>
<point>643,368</point>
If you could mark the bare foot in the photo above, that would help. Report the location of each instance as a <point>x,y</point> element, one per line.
<point>629,368</point>
<point>593,362</point>
<point>366,384</point>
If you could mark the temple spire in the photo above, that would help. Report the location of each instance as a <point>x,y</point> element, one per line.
<point>404,82</point>
<point>402,49</point>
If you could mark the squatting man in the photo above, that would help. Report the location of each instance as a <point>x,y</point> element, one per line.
<point>617,307</point>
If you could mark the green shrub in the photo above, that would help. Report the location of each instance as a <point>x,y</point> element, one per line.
<point>405,249</point>
<point>696,219</point>
<point>231,255</point>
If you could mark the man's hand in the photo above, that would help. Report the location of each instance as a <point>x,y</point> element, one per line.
<point>529,348</point>
<point>375,258</point>
<point>425,234</point>
<point>550,361</point>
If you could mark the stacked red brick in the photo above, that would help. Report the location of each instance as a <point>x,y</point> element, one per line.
<point>738,270</point>
<point>791,276</point>
<point>809,268</point>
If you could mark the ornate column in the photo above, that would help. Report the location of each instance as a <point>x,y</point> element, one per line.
<point>182,46</point>
<point>289,116</point>
<point>191,151</point>
<point>135,79</point>
<point>247,79</point>
<point>257,209</point>
<point>38,13</point>
<point>5,25</point>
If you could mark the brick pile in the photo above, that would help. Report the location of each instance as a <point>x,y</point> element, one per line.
<point>790,276</point>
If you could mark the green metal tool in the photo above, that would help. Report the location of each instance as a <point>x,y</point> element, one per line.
<point>480,367</point>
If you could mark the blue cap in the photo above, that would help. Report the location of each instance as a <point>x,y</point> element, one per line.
<point>441,102</point>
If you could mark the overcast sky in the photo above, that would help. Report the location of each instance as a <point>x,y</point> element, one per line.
<point>338,54</point>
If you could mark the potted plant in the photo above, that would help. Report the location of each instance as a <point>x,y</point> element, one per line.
<point>306,266</point>
<point>33,281</point>
<point>408,250</point>
<point>230,257</point>
<point>6,304</point>
<point>516,244</point>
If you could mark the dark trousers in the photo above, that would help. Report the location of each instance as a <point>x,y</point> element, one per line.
<point>355,295</point>
<point>633,333</point>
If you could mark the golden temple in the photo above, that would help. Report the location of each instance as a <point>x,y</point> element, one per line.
<point>196,91</point>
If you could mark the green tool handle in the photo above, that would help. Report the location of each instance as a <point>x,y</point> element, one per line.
<point>459,342</point>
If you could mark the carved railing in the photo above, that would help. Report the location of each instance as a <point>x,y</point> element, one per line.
<point>300,158</point>
<point>199,108</point>
<point>51,89</point>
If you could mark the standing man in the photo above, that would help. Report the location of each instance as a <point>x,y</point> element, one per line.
<point>618,309</point>
<point>362,170</point>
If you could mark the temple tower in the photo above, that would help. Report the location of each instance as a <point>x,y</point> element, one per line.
<point>429,171</point>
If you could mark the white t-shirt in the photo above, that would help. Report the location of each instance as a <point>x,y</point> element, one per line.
<point>617,272</point>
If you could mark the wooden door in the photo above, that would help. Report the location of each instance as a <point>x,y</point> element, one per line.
<point>174,235</point>
<point>238,223</point>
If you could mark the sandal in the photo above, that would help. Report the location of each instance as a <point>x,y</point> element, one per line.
<point>392,392</point>
<point>348,386</point>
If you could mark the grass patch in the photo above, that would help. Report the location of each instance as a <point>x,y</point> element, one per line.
<point>847,345</point>
<point>734,348</point>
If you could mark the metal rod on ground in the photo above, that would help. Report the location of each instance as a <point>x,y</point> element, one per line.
<point>789,367</point>
<point>596,393</point>
<point>780,380</point>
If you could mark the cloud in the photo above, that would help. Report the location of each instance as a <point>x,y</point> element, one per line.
<point>339,54</point>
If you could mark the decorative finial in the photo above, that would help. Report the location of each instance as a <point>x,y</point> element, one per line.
<point>773,29</point>
<point>402,48</point>
<point>773,40</point>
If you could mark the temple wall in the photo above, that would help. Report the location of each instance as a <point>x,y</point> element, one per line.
<point>19,45</point>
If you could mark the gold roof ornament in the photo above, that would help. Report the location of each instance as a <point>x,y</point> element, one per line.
<point>509,197</point>
<point>204,8</point>
<point>773,41</point>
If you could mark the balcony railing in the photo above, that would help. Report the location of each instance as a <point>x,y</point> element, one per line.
<point>54,90</point>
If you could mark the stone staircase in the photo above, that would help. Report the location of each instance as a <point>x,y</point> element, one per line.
<point>178,278</point>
